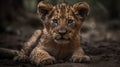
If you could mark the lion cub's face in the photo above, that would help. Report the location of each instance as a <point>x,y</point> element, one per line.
<point>62,21</point>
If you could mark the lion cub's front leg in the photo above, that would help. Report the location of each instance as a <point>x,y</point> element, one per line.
<point>39,56</point>
<point>79,56</point>
<point>28,47</point>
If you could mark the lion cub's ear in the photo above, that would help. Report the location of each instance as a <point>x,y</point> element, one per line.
<point>81,9</point>
<point>43,9</point>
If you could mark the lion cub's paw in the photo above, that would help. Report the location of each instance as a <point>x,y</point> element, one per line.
<point>78,59</point>
<point>21,58</point>
<point>48,60</point>
<point>38,60</point>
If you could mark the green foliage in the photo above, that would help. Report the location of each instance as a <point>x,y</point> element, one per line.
<point>30,5</point>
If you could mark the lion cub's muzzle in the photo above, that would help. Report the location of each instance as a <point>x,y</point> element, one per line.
<point>62,36</point>
<point>62,32</point>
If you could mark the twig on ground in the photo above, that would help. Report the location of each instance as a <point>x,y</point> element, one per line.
<point>8,53</point>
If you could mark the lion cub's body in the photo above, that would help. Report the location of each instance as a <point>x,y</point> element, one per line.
<point>60,38</point>
<point>59,51</point>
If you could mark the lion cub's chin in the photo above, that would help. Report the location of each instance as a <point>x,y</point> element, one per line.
<point>62,41</point>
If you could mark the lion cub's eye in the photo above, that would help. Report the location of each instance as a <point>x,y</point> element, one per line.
<point>55,21</point>
<point>70,21</point>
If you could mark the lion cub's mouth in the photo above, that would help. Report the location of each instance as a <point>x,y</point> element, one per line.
<point>62,40</point>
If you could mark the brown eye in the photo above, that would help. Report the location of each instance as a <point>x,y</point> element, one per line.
<point>70,21</point>
<point>55,21</point>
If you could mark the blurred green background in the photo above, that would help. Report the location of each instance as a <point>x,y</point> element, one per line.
<point>19,18</point>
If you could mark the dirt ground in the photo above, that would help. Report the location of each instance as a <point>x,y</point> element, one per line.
<point>100,41</point>
<point>104,53</point>
<point>100,36</point>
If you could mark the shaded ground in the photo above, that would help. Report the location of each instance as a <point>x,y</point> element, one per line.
<point>102,41</point>
<point>104,53</point>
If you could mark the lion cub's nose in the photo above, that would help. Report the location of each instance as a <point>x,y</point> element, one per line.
<point>62,31</point>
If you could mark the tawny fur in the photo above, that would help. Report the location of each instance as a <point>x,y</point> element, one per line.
<point>51,44</point>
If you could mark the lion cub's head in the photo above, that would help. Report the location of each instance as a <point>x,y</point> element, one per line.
<point>63,21</point>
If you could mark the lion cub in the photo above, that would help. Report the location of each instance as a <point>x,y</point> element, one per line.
<point>60,38</point>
